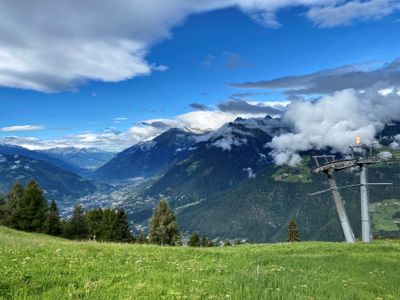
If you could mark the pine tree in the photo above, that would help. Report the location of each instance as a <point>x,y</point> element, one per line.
<point>32,210</point>
<point>94,220</point>
<point>121,232</point>
<point>293,232</point>
<point>163,227</point>
<point>13,202</point>
<point>3,209</point>
<point>194,240</point>
<point>76,228</point>
<point>53,223</point>
<point>106,226</point>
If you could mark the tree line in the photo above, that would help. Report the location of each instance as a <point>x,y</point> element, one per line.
<point>26,208</point>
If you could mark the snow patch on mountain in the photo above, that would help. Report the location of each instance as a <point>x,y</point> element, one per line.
<point>235,133</point>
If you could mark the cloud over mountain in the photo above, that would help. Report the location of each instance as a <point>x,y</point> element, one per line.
<point>110,139</point>
<point>334,121</point>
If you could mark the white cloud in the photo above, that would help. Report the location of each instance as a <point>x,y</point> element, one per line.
<point>348,12</point>
<point>334,121</point>
<point>22,128</point>
<point>112,139</point>
<point>160,68</point>
<point>56,45</point>
<point>119,120</point>
<point>396,143</point>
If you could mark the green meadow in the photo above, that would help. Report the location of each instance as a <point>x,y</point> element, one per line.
<point>36,266</point>
<point>384,215</point>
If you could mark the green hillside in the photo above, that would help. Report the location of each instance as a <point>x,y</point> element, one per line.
<point>34,266</point>
<point>259,209</point>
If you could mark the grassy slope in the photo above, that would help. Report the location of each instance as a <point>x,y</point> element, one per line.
<point>40,267</point>
<point>383,215</point>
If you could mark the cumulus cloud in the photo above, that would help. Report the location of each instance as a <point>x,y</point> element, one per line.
<point>22,128</point>
<point>396,143</point>
<point>356,76</point>
<point>334,122</point>
<point>56,45</point>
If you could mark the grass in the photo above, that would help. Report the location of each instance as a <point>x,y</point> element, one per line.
<point>34,266</point>
<point>383,215</point>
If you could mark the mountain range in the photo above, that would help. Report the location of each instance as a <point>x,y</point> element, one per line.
<point>82,158</point>
<point>223,183</point>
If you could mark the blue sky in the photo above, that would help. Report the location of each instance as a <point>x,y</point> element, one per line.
<point>195,61</point>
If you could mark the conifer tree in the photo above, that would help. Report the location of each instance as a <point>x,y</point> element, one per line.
<point>194,240</point>
<point>13,201</point>
<point>106,226</point>
<point>163,227</point>
<point>53,223</point>
<point>121,232</point>
<point>293,232</point>
<point>32,210</point>
<point>3,209</point>
<point>94,219</point>
<point>76,228</point>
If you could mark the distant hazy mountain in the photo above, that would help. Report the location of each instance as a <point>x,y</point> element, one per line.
<point>148,158</point>
<point>17,150</point>
<point>86,158</point>
<point>58,184</point>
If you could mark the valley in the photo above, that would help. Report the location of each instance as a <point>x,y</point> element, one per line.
<point>224,184</point>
